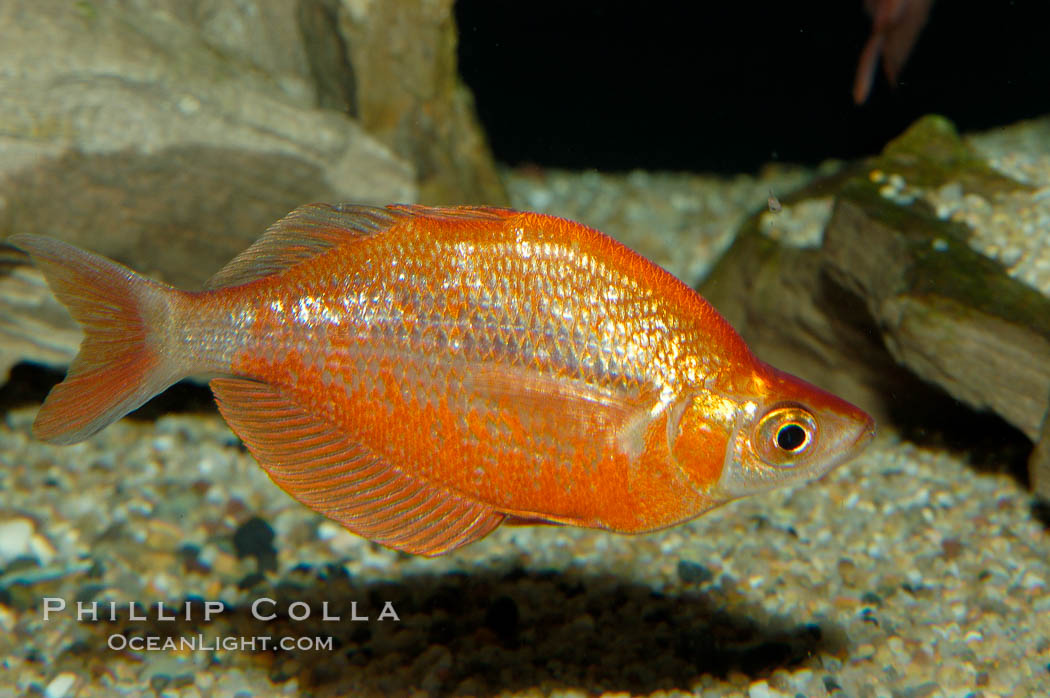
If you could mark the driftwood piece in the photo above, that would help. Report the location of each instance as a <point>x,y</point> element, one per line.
<point>795,317</point>
<point>949,314</point>
<point>1039,463</point>
<point>894,309</point>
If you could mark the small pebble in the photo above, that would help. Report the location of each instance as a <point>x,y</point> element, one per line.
<point>158,682</point>
<point>15,537</point>
<point>7,618</point>
<point>61,685</point>
<point>254,538</point>
<point>693,572</point>
<point>831,685</point>
<point>762,689</point>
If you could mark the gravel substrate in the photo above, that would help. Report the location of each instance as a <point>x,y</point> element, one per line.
<point>1016,229</point>
<point>904,572</point>
<point>907,572</point>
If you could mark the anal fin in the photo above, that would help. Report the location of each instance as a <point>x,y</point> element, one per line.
<point>325,470</point>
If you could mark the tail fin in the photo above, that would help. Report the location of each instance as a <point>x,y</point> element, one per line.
<point>120,365</point>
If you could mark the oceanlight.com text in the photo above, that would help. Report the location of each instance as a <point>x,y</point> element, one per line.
<point>230,643</point>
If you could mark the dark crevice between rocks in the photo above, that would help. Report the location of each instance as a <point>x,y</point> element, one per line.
<point>922,412</point>
<point>927,416</point>
<point>28,384</point>
<point>1041,511</point>
<point>919,411</point>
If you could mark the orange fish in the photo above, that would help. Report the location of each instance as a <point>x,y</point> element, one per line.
<point>421,375</point>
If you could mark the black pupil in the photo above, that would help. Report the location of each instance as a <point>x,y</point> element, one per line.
<point>790,437</point>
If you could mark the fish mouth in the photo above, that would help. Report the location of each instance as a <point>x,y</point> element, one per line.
<point>853,441</point>
<point>864,436</point>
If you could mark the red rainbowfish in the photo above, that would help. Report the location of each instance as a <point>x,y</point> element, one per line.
<point>421,375</point>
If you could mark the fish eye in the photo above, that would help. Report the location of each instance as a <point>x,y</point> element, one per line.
<point>784,433</point>
<point>791,437</point>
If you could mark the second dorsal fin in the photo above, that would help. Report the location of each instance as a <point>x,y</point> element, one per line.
<point>304,233</point>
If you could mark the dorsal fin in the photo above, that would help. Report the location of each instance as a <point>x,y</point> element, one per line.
<point>304,233</point>
<point>455,213</point>
<point>315,228</point>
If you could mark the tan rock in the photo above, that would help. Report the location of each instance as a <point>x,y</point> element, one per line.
<point>409,95</point>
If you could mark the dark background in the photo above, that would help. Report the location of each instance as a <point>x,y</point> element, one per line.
<point>726,87</point>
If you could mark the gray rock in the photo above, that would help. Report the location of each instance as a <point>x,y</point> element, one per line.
<point>141,80</point>
<point>167,136</point>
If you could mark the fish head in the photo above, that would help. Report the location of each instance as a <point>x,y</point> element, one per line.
<point>777,430</point>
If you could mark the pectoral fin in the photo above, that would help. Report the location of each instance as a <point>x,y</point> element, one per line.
<point>615,414</point>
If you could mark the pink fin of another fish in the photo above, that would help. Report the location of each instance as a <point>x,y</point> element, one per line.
<point>869,59</point>
<point>896,28</point>
<point>911,19</point>
<point>322,468</point>
<point>119,366</point>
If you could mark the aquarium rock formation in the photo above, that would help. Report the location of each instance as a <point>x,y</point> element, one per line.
<point>898,290</point>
